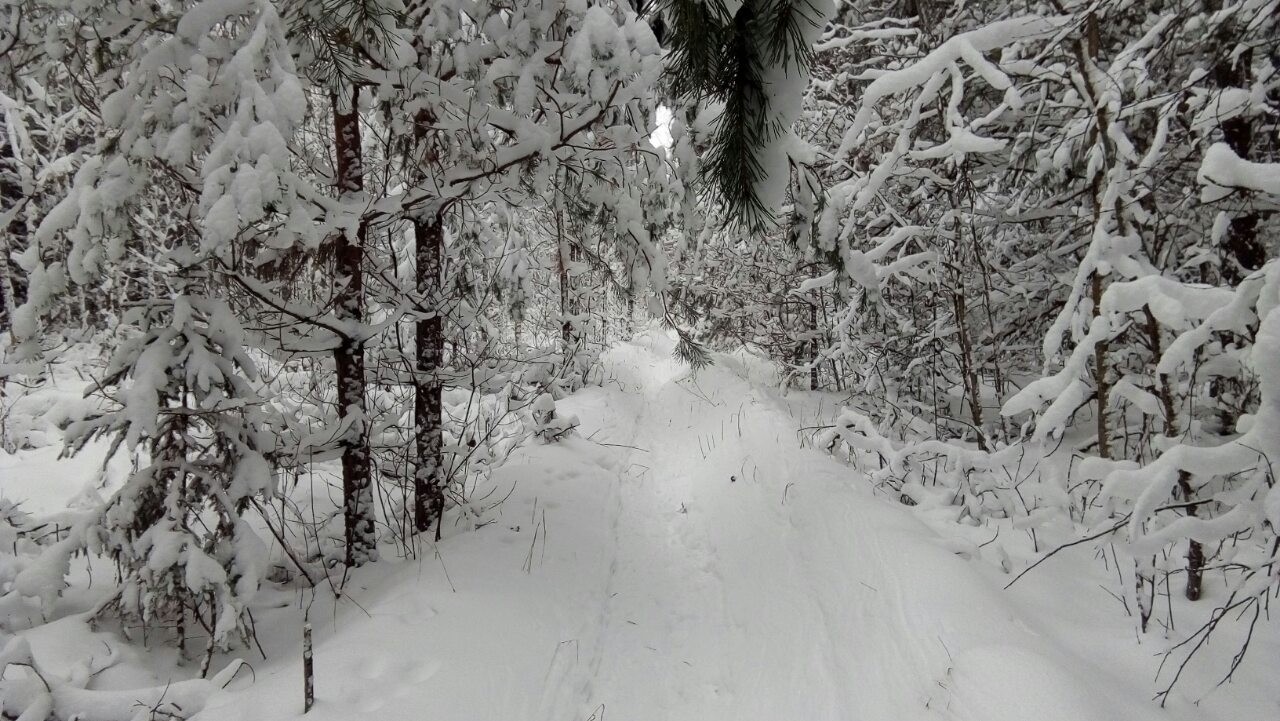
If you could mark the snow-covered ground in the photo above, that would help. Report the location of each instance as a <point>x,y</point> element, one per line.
<point>683,557</point>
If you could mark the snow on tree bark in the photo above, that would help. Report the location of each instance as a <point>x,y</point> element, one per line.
<point>14,234</point>
<point>360,524</point>
<point>429,477</point>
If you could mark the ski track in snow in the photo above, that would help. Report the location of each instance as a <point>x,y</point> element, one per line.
<point>696,563</point>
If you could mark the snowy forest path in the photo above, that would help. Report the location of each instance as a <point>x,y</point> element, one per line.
<point>729,595</point>
<point>683,558</point>
<point>752,578</point>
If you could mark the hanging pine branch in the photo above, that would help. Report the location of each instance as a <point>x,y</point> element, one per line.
<point>744,64</point>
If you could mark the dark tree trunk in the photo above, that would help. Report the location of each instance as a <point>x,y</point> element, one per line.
<point>14,237</point>
<point>562,268</point>
<point>968,369</point>
<point>813,346</point>
<point>357,480</point>
<point>308,669</point>
<point>1242,252</point>
<point>1195,552</point>
<point>570,255</point>
<point>1087,56</point>
<point>630,327</point>
<point>428,412</point>
<point>1103,386</point>
<point>429,474</point>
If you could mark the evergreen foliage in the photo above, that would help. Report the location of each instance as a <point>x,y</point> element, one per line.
<point>740,63</point>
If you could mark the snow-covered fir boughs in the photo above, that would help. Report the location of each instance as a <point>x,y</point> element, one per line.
<point>177,528</point>
<point>192,153</point>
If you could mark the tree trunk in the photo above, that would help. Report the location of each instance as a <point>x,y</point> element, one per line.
<point>428,411</point>
<point>429,473</point>
<point>308,669</point>
<point>813,346</point>
<point>1100,372</point>
<point>968,371</point>
<point>1195,553</point>
<point>562,268</point>
<point>357,481</point>
<point>1087,50</point>
<point>631,314</point>
<point>570,302</point>
<point>1242,253</point>
<point>14,237</point>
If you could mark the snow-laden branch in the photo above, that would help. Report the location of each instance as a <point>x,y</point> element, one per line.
<point>1222,171</point>
<point>967,46</point>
